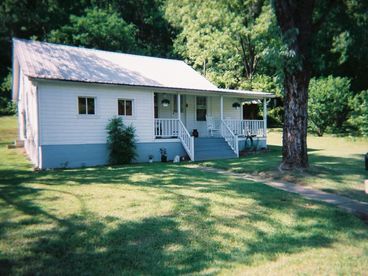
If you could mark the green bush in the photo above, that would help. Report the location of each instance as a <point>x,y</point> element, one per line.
<point>7,107</point>
<point>328,104</point>
<point>359,114</point>
<point>121,142</point>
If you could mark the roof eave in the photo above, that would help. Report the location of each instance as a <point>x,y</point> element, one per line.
<point>224,92</point>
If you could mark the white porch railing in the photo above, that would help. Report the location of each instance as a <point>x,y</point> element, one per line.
<point>229,137</point>
<point>166,128</point>
<point>247,127</point>
<point>174,128</point>
<point>186,140</point>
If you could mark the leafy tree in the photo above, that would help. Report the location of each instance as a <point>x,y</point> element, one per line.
<point>6,107</point>
<point>340,42</point>
<point>328,103</point>
<point>230,41</point>
<point>154,33</point>
<point>97,28</point>
<point>121,142</point>
<point>359,114</point>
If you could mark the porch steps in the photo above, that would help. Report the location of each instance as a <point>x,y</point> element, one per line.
<point>212,148</point>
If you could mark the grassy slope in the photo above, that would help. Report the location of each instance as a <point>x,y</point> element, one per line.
<point>165,219</point>
<point>336,164</point>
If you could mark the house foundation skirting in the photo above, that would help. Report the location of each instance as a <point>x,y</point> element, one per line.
<point>259,142</point>
<point>85,155</point>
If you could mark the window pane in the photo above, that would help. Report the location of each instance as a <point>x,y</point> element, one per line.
<point>202,102</point>
<point>81,105</point>
<point>201,114</point>
<point>91,105</point>
<point>201,108</point>
<point>128,108</point>
<point>121,110</point>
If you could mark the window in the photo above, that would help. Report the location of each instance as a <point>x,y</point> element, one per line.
<point>125,107</point>
<point>201,104</point>
<point>86,105</point>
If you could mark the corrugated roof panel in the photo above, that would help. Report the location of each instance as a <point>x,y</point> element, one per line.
<point>53,61</point>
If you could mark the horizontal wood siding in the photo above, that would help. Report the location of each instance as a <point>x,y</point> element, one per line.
<point>61,124</point>
<point>27,117</point>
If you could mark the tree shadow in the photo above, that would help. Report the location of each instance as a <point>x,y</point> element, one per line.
<point>344,175</point>
<point>215,222</point>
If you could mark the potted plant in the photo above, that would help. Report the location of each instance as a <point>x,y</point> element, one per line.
<point>163,154</point>
<point>150,158</point>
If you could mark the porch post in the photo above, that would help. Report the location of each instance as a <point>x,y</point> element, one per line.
<point>222,108</point>
<point>264,117</point>
<point>179,107</point>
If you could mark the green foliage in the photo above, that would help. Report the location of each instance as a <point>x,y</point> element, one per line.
<point>7,107</point>
<point>230,41</point>
<point>121,142</point>
<point>328,104</point>
<point>359,114</point>
<point>275,116</point>
<point>339,47</point>
<point>97,28</point>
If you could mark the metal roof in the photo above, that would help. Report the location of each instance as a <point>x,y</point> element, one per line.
<point>42,60</point>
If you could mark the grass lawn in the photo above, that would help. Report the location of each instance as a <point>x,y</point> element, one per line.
<point>336,164</point>
<point>165,219</point>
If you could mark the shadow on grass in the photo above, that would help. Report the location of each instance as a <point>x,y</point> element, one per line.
<point>343,175</point>
<point>194,237</point>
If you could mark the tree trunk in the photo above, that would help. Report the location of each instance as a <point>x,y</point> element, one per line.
<point>294,139</point>
<point>295,20</point>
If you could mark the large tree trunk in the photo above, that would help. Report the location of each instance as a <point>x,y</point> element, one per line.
<point>294,139</point>
<point>295,20</point>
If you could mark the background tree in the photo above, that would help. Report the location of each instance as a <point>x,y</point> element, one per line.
<point>359,113</point>
<point>328,103</point>
<point>231,42</point>
<point>97,28</point>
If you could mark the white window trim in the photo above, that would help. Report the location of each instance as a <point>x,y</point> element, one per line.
<point>133,108</point>
<point>87,115</point>
<point>195,108</point>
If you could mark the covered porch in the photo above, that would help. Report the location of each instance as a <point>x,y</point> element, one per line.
<point>200,117</point>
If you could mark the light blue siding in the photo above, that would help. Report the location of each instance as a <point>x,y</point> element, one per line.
<point>260,143</point>
<point>73,156</point>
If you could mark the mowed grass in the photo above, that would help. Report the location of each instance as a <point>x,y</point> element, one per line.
<point>336,164</point>
<point>165,219</point>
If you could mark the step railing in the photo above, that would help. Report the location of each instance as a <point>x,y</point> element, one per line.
<point>186,139</point>
<point>247,127</point>
<point>229,137</point>
<point>166,128</point>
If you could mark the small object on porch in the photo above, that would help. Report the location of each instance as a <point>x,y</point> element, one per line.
<point>177,159</point>
<point>150,158</point>
<point>163,152</point>
<point>183,158</point>
<point>366,161</point>
<point>213,125</point>
<point>195,133</point>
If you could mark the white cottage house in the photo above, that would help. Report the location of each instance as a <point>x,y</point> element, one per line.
<point>66,96</point>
